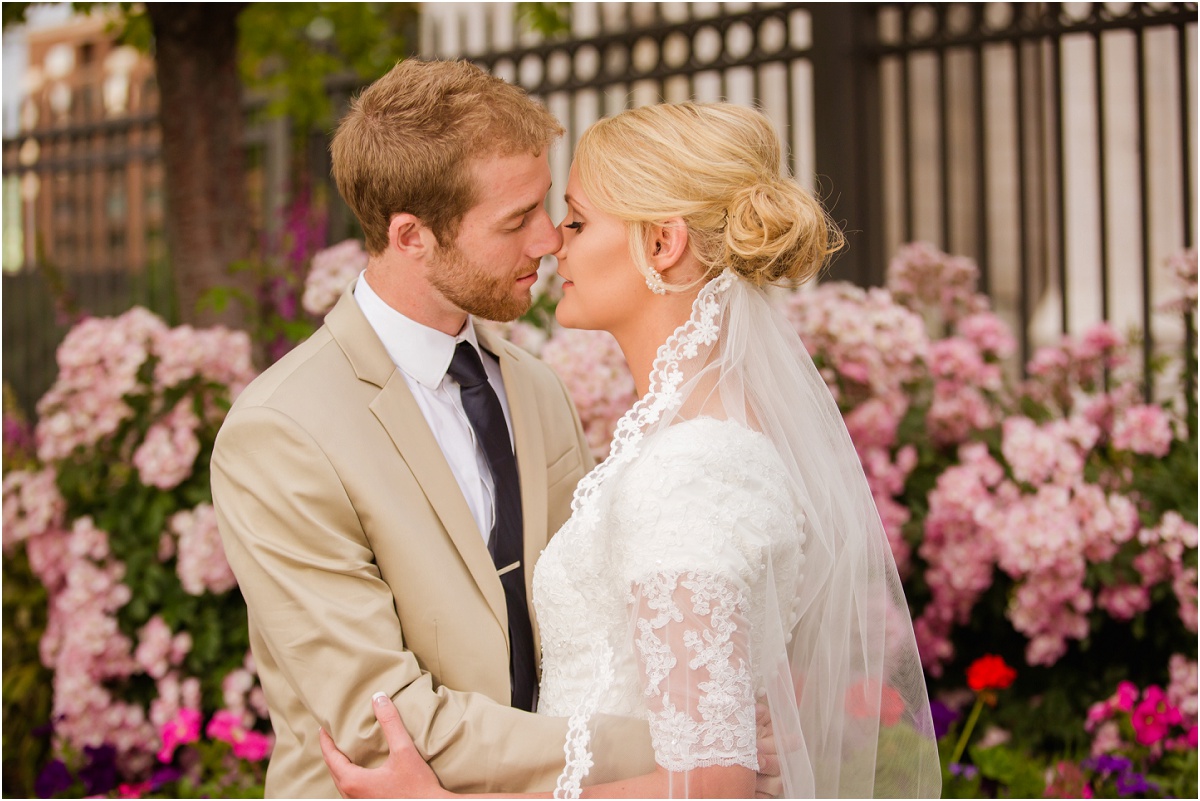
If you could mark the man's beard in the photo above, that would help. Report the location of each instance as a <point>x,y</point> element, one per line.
<point>476,291</point>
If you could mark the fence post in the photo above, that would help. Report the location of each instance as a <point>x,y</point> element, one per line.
<point>846,135</point>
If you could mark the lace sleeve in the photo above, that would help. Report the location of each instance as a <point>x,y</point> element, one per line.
<point>703,517</point>
<point>691,639</point>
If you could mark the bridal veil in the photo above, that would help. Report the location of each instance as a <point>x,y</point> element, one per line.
<point>766,577</point>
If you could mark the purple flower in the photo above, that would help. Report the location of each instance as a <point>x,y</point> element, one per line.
<point>943,718</point>
<point>1107,763</point>
<point>964,771</point>
<point>163,776</point>
<point>99,775</point>
<point>1132,784</point>
<point>54,780</point>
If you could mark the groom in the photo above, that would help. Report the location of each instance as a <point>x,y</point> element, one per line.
<point>366,485</point>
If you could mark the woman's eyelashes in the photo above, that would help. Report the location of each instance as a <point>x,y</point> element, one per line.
<point>574,226</point>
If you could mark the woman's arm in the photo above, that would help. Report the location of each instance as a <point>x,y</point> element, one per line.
<point>406,775</point>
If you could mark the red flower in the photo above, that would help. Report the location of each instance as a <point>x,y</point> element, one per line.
<point>868,699</point>
<point>989,672</point>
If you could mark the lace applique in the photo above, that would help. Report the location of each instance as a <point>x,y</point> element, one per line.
<point>717,725</point>
<point>579,737</point>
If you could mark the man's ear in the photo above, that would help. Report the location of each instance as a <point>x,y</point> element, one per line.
<point>409,236</point>
<point>669,245</point>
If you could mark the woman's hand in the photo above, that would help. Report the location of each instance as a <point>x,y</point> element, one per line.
<point>404,775</point>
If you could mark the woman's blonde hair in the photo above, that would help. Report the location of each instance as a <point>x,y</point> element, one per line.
<point>718,167</point>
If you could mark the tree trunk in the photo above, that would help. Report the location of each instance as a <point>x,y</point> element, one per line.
<point>208,219</point>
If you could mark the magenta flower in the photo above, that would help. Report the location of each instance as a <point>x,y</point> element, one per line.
<point>1153,717</point>
<point>1125,697</point>
<point>184,728</point>
<point>250,745</point>
<point>254,746</point>
<point>224,726</point>
<point>133,789</point>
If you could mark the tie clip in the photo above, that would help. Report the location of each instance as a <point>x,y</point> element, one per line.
<point>508,569</point>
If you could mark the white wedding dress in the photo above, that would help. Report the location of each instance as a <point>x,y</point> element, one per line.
<point>691,532</point>
<point>710,563</point>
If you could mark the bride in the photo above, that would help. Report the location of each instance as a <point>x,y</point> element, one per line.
<point>728,552</point>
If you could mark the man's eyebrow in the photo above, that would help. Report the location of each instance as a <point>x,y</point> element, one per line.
<point>521,212</point>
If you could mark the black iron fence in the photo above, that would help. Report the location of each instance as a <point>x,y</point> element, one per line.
<point>1053,143</point>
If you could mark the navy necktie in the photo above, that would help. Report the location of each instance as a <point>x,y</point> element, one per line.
<point>505,544</point>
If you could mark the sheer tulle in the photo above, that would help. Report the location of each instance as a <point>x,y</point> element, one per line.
<point>729,551</point>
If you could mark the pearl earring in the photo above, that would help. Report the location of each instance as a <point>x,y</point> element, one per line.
<point>655,282</point>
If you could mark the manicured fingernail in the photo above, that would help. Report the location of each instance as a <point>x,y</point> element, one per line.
<point>379,698</point>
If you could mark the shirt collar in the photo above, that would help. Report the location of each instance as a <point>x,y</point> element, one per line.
<point>422,352</point>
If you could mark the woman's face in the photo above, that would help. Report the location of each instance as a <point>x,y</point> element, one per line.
<point>602,289</point>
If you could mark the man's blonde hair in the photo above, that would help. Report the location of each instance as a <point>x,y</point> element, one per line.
<point>407,143</point>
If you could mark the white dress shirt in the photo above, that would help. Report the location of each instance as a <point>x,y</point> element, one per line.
<point>423,356</point>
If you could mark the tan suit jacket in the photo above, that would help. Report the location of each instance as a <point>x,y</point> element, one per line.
<point>364,571</point>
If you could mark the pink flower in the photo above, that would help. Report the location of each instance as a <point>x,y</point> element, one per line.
<point>224,725</point>
<point>1190,738</point>
<point>135,790</point>
<point>1153,717</point>
<point>873,423</point>
<point>1124,602</point>
<point>988,333</point>
<point>158,650</point>
<point>957,412</point>
<point>168,454</point>
<point>1143,429</point>
<point>227,726</point>
<point>98,363</point>
<point>200,560</point>
<point>254,746</point>
<point>593,369</point>
<point>1108,739</point>
<point>1181,267</point>
<point>925,279</point>
<point>32,505</point>
<point>1181,690</point>
<point>183,729</point>
<point>1183,584</point>
<point>331,272</point>
<point>870,345</point>
<point>1125,697</point>
<point>215,354</point>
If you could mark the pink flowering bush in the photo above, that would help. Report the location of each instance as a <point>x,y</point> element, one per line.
<point>1050,519</point>
<point>592,367</point>
<point>112,518</point>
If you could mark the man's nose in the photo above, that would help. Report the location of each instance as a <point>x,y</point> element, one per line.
<point>549,238</point>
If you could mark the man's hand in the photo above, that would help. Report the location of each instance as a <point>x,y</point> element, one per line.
<point>404,775</point>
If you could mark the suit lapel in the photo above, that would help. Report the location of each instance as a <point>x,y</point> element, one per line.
<point>531,458</point>
<point>401,418</point>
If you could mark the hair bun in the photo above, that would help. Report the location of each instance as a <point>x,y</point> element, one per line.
<point>776,232</point>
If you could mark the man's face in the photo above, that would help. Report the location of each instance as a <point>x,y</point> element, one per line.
<point>490,267</point>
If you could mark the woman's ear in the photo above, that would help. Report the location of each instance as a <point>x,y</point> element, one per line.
<point>669,245</point>
<point>409,236</point>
